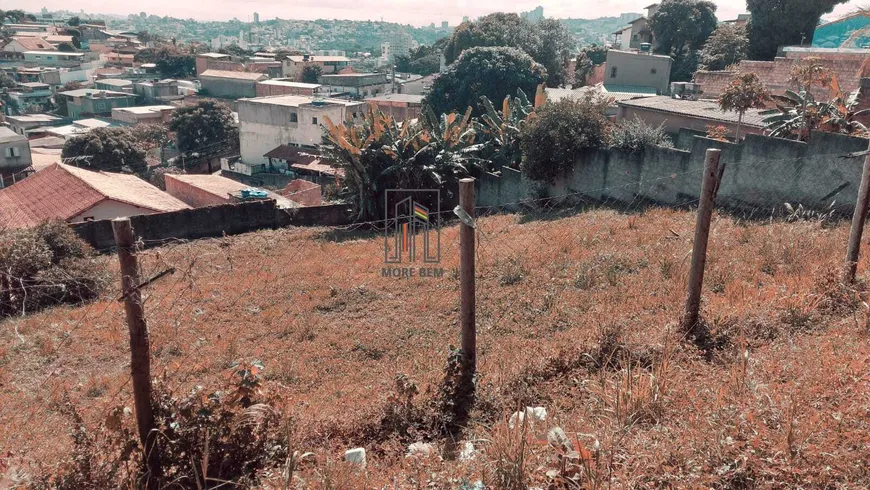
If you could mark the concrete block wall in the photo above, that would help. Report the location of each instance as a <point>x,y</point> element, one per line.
<point>761,173</point>
<point>214,221</point>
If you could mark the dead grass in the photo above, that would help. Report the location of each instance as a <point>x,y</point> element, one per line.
<point>782,400</point>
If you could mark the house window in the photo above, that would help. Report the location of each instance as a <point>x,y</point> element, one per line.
<point>653,71</point>
<point>13,152</point>
<point>613,72</point>
<point>294,118</point>
<point>314,121</point>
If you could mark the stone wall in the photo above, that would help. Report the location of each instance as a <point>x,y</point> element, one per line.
<point>760,174</point>
<point>214,221</point>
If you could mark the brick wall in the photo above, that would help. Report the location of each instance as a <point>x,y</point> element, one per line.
<point>265,90</point>
<point>192,195</point>
<point>775,74</point>
<point>304,192</point>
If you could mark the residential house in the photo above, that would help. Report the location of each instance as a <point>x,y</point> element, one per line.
<point>694,115</point>
<point>627,68</point>
<point>638,32</point>
<point>266,123</point>
<point>206,61</point>
<point>25,124</point>
<point>95,102</point>
<point>21,45</point>
<point>418,86</point>
<point>156,91</point>
<point>400,106</point>
<point>357,85</point>
<point>54,58</point>
<point>114,84</point>
<point>285,86</point>
<point>75,195</point>
<point>230,84</point>
<point>317,171</point>
<point>149,114</point>
<point>293,65</point>
<point>80,127</point>
<point>304,192</point>
<point>29,96</point>
<point>14,156</point>
<point>614,94</point>
<point>201,190</point>
<point>115,58</point>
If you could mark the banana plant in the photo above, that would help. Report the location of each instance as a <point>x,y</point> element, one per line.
<point>795,114</point>
<point>500,131</point>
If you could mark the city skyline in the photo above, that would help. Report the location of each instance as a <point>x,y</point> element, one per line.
<point>413,12</point>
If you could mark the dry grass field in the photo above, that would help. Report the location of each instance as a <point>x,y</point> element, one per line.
<point>578,315</point>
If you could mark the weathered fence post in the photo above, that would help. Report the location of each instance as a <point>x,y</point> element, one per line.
<point>140,348</point>
<point>709,184</point>
<point>466,275</point>
<point>859,217</point>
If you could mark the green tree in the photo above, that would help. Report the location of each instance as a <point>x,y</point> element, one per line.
<point>598,54</point>
<point>311,73</point>
<point>743,93</point>
<point>110,149</point>
<point>685,66</point>
<point>493,73</point>
<point>683,25</point>
<point>778,23</point>
<point>74,21</point>
<point>205,128</point>
<point>727,46</point>
<point>559,133</point>
<point>548,42</point>
<point>6,81</point>
<point>177,66</point>
<point>66,47</point>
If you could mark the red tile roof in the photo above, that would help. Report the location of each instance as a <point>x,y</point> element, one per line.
<point>34,43</point>
<point>64,192</point>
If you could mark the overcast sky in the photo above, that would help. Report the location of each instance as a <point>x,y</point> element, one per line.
<point>415,12</point>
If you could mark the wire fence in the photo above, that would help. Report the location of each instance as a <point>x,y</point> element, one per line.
<point>333,326</point>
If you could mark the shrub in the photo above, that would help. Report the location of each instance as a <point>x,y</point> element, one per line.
<point>46,266</point>
<point>562,130</point>
<point>634,135</point>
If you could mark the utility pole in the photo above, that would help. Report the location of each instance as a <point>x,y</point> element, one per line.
<point>859,217</point>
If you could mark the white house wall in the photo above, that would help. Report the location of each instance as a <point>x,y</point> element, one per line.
<point>110,209</point>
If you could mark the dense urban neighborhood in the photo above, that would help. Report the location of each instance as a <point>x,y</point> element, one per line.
<point>520,252</point>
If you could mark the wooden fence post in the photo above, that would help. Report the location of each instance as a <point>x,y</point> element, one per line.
<point>709,185</point>
<point>466,275</point>
<point>140,348</point>
<point>859,217</point>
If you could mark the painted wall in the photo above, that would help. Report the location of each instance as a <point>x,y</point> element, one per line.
<point>110,209</point>
<point>760,174</point>
<point>638,69</point>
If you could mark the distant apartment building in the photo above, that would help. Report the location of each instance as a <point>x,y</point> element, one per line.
<point>230,84</point>
<point>293,65</point>
<point>14,154</point>
<point>54,58</point>
<point>149,114</point>
<point>400,44</point>
<point>356,84</point>
<point>285,86</point>
<point>637,32</point>
<point>269,122</point>
<point>95,102</point>
<point>152,92</point>
<point>399,106</point>
<point>631,69</point>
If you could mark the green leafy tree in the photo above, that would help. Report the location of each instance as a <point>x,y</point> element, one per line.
<point>493,73</point>
<point>559,133</point>
<point>681,25</point>
<point>110,149</point>
<point>426,65</point>
<point>16,16</point>
<point>205,128</point>
<point>66,47</point>
<point>548,42</point>
<point>74,21</point>
<point>6,81</point>
<point>681,28</point>
<point>598,54</point>
<point>311,73</point>
<point>778,23</point>
<point>743,93</point>
<point>235,50</point>
<point>635,135</point>
<point>177,66</point>
<point>727,46</point>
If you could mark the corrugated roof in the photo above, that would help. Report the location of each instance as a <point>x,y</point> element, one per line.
<point>235,75</point>
<point>408,98</point>
<point>8,136</point>
<point>316,166</point>
<point>314,58</point>
<point>87,92</point>
<point>63,192</point>
<point>704,109</point>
